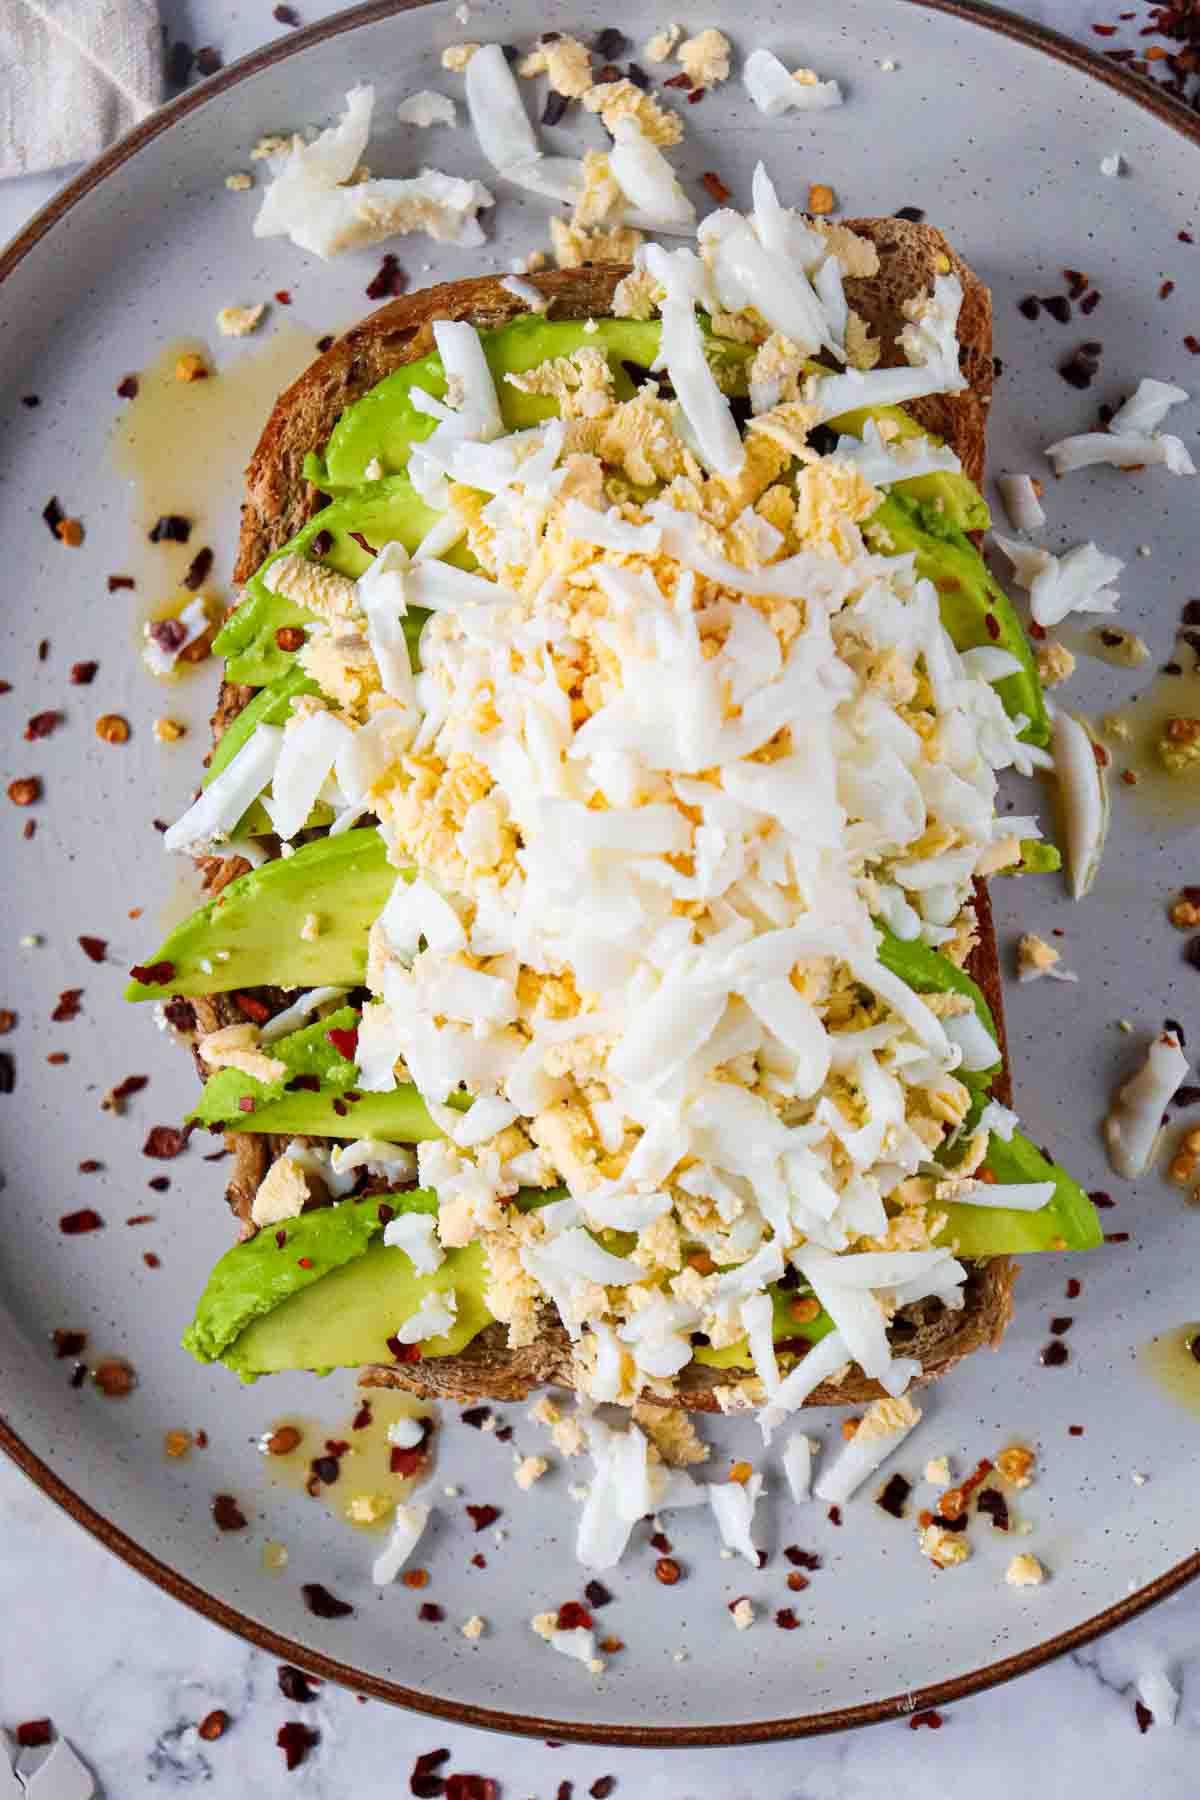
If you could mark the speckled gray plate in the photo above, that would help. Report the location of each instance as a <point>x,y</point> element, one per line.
<point>998,133</point>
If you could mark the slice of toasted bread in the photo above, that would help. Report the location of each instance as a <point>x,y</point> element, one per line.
<point>280,500</point>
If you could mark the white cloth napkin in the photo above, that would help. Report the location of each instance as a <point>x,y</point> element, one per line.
<point>74,74</point>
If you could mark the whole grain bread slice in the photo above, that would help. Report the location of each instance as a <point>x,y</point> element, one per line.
<point>279,500</point>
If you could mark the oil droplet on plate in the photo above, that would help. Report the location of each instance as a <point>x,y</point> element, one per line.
<point>1172,1362</point>
<point>366,1491</point>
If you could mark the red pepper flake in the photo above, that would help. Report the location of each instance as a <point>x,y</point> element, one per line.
<point>296,1739</point>
<point>253,1008</point>
<point>716,187</point>
<point>600,1790</point>
<point>388,281</point>
<point>1055,1354</point>
<point>95,948</point>
<point>41,725</point>
<point>322,1604</point>
<point>246,1103</point>
<point>1143,1715</point>
<point>1105,30</point>
<point>198,570</point>
<point>304,1262</point>
<point>140,1219</point>
<point>69,1005</point>
<point>797,1582</point>
<point>596,1594</point>
<point>894,1495</point>
<point>115,1378</point>
<point>1058,1327</point>
<point>1116,1237</point>
<point>430,1612</point>
<point>471,1787</point>
<point>835,1515</point>
<point>165,1142</point>
<point>1101,1199</point>
<point>201,1440</point>
<point>1089,303</point>
<point>53,514</point>
<point>170,528</point>
<point>1074,1288</point>
<point>69,1343</point>
<point>786,1619</point>
<point>8,1073</point>
<point>572,1616</point>
<point>661,1542</point>
<point>362,1417</point>
<point>33,1733</point>
<point>286,15</point>
<point>227,1514</point>
<point>479,1561</point>
<point>1166,290</point>
<point>43,649</point>
<point>57,1058</point>
<point>1192,343</point>
<point>25,790</point>
<point>151,1260</point>
<point>678,81</point>
<point>802,1559</point>
<point>75,1224</point>
<point>1074,1430</point>
<point>29,829</point>
<point>296,1686</point>
<point>213,1725</point>
<point>403,1353</point>
<point>993,625</point>
<point>993,1505</point>
<point>405,1462</point>
<point>667,1571</point>
<point>283,296</point>
<point>476,1417</point>
<point>424,1781</point>
<point>344,1042</point>
<point>483,1516</point>
<point>930,1718</point>
<point>153,974</point>
<point>117,582</point>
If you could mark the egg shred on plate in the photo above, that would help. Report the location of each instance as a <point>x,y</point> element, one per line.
<point>670,754</point>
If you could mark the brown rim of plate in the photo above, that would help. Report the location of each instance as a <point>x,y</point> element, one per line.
<point>1173,113</point>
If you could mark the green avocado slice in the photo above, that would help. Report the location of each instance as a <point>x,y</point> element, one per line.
<point>384,424</point>
<point>309,1052</point>
<point>396,1118</point>
<point>249,936</point>
<point>927,971</point>
<point>255,1276</point>
<point>1069,1221</point>
<point>783,1325</point>
<point>969,595</point>
<point>330,1294</point>
<point>382,511</point>
<point>949,493</point>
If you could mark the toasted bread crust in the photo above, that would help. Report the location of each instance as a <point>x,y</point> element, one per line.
<point>279,500</point>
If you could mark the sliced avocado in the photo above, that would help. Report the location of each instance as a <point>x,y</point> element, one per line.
<point>249,936</point>
<point>784,1326</point>
<point>1037,858</point>
<point>927,971</point>
<point>272,706</point>
<point>397,1118</point>
<point>384,423</point>
<point>969,595</point>
<point>311,1053</point>
<point>1068,1222</point>
<point>382,511</point>
<point>259,1274</point>
<point>346,1320</point>
<point>330,1295</point>
<point>949,493</point>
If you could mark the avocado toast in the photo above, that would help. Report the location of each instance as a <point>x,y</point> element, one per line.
<point>705,768</point>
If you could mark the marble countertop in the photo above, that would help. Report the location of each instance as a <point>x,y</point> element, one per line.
<point>126,1674</point>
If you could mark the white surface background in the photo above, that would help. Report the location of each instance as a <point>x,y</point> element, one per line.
<point>125,1673</point>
